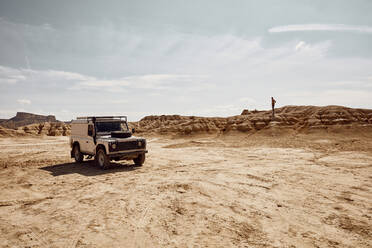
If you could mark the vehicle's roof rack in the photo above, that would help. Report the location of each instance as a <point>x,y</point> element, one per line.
<point>102,117</point>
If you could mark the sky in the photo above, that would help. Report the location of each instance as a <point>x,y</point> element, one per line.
<point>195,57</point>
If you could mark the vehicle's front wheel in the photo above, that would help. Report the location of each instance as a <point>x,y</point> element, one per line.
<point>138,161</point>
<point>102,160</point>
<point>78,156</point>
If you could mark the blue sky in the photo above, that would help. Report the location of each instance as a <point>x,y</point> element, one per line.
<point>206,58</point>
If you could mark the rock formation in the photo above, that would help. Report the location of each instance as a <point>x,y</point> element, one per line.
<point>46,128</point>
<point>23,119</point>
<point>245,112</point>
<point>298,118</point>
<point>291,117</point>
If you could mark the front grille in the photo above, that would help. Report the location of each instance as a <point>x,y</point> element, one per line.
<point>129,145</point>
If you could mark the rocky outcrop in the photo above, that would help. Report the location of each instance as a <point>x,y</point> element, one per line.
<point>299,118</point>
<point>23,119</point>
<point>6,132</point>
<point>292,117</point>
<point>245,112</point>
<point>46,128</point>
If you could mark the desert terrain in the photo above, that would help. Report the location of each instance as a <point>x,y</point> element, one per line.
<point>301,180</point>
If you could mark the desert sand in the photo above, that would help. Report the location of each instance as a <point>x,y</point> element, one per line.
<point>270,188</point>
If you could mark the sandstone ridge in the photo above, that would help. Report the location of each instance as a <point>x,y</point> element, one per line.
<point>293,118</point>
<point>288,117</point>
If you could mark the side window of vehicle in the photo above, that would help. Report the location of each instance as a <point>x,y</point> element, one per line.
<point>90,130</point>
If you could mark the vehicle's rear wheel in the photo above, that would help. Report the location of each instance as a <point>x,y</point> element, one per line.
<point>102,160</point>
<point>78,156</point>
<point>138,161</point>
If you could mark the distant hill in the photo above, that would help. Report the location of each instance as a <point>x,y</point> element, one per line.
<point>23,119</point>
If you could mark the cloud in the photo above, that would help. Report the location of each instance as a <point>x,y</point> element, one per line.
<point>217,110</point>
<point>148,82</point>
<point>76,81</point>
<point>5,22</point>
<point>24,101</point>
<point>321,27</point>
<point>247,100</point>
<point>301,45</point>
<point>351,84</point>
<point>48,27</point>
<point>225,108</point>
<point>8,113</point>
<point>71,76</point>
<point>345,97</point>
<point>10,75</point>
<point>106,85</point>
<point>200,75</point>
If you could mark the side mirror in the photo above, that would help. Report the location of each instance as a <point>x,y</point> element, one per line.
<point>133,130</point>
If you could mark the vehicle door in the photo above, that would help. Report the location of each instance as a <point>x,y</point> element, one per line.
<point>88,145</point>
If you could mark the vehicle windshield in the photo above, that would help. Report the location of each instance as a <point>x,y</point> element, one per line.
<point>106,127</point>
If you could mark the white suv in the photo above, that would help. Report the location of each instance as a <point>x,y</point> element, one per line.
<point>106,138</point>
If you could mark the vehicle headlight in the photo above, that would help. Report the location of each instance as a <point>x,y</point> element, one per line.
<point>113,146</point>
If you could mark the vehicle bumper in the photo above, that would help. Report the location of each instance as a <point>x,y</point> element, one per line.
<point>124,154</point>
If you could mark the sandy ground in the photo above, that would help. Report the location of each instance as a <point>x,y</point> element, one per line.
<point>205,191</point>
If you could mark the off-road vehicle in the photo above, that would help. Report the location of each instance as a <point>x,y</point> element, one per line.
<point>105,138</point>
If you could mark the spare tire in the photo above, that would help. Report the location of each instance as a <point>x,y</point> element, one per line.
<point>121,134</point>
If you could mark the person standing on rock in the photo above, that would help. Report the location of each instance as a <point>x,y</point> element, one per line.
<point>273,106</point>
